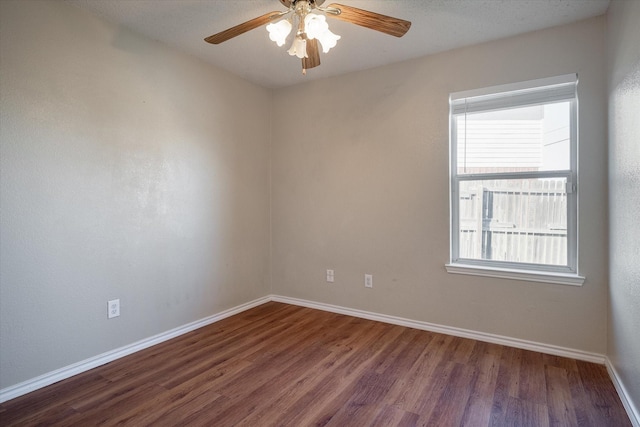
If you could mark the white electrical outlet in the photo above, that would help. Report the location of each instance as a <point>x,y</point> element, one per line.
<point>330,276</point>
<point>368,280</point>
<point>113,308</point>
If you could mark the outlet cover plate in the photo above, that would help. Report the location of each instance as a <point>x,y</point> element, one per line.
<point>368,280</point>
<point>330,277</point>
<point>113,308</point>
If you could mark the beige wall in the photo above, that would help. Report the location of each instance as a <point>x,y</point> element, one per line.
<point>623,46</point>
<point>360,185</point>
<point>128,171</point>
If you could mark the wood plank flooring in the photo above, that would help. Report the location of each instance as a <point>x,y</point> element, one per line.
<point>283,365</point>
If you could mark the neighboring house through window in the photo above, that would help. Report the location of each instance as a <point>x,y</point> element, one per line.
<point>514,197</point>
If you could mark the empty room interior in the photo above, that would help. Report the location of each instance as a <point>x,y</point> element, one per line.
<point>200,233</point>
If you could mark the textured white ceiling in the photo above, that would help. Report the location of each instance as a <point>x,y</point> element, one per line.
<point>437,25</point>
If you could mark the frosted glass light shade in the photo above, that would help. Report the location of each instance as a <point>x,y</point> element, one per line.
<point>316,27</point>
<point>278,31</point>
<point>298,48</point>
<point>328,40</point>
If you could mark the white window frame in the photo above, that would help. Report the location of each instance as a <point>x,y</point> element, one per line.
<point>534,92</point>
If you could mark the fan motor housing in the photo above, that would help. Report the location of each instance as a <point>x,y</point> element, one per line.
<point>289,3</point>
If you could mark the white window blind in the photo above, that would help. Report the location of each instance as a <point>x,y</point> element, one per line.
<point>533,92</point>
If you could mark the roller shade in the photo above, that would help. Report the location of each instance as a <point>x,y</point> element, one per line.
<point>533,92</point>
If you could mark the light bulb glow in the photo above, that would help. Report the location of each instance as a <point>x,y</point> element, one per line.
<point>278,31</point>
<point>298,47</point>
<point>315,25</point>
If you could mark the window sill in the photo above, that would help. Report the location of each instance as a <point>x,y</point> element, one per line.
<point>505,273</point>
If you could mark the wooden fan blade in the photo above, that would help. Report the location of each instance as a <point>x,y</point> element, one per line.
<point>375,21</point>
<point>243,28</point>
<point>313,54</point>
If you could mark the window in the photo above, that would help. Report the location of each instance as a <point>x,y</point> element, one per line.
<point>514,181</point>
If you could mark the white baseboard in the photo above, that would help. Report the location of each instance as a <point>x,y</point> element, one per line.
<point>632,411</point>
<point>93,362</point>
<point>449,330</point>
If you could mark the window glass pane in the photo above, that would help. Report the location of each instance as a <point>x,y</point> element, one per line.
<point>533,138</point>
<point>514,220</point>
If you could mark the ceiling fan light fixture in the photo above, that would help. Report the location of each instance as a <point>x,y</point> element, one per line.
<point>279,31</point>
<point>312,29</point>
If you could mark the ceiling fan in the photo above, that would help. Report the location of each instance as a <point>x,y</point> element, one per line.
<point>311,27</point>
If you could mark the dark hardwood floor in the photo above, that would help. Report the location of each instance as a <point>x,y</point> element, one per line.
<point>278,364</point>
